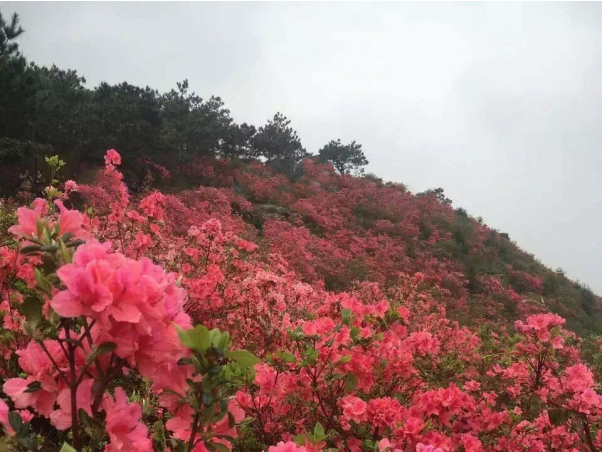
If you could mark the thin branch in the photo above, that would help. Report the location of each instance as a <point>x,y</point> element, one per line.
<point>54,363</point>
<point>195,426</point>
<point>588,436</point>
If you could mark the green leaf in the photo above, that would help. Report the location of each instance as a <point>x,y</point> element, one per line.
<point>198,365</point>
<point>75,243</point>
<point>42,282</point>
<point>311,355</point>
<point>183,336</point>
<point>46,234</point>
<point>169,391</point>
<point>184,361</point>
<point>39,227</point>
<point>345,359</point>
<point>226,437</point>
<point>83,417</point>
<point>31,249</point>
<point>159,433</point>
<point>197,338</point>
<point>219,447</point>
<point>224,341</point>
<point>64,252</point>
<point>350,382</point>
<point>319,431</point>
<point>244,358</point>
<point>27,443</point>
<point>215,336</point>
<point>32,310</point>
<point>287,357</point>
<point>346,315</point>
<point>55,230</point>
<point>200,338</point>
<point>67,448</point>
<point>102,349</point>
<point>215,370</point>
<point>66,236</point>
<point>15,421</point>
<point>206,398</point>
<point>34,386</point>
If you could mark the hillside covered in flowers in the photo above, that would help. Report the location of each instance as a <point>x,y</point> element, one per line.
<point>334,313</point>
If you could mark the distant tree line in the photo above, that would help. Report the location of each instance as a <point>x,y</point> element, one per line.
<point>45,110</point>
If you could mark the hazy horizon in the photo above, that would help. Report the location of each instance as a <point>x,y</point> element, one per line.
<point>498,103</point>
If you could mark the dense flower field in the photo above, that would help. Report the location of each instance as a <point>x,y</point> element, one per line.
<point>165,322</point>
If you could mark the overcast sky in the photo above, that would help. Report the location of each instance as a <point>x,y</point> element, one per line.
<point>498,103</point>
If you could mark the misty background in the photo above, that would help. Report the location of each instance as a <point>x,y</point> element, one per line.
<point>498,103</point>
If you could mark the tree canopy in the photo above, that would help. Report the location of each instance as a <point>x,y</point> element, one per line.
<point>344,157</point>
<point>52,109</point>
<point>279,144</point>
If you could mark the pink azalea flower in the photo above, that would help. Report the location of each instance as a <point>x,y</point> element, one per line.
<point>87,280</point>
<point>354,409</point>
<point>61,418</point>
<point>40,205</point>
<point>27,224</point>
<point>41,400</point>
<point>123,425</point>
<point>70,186</point>
<point>38,365</point>
<point>153,205</point>
<point>86,292</point>
<point>71,221</point>
<point>578,378</point>
<point>112,157</point>
<point>26,416</point>
<point>4,414</point>
<point>384,445</point>
<point>289,446</point>
<point>142,242</point>
<point>471,443</point>
<point>558,342</point>
<point>427,448</point>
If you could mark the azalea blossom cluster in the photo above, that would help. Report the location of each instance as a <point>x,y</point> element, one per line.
<point>337,229</point>
<point>401,377</point>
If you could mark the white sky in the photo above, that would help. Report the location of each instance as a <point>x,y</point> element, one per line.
<point>498,103</point>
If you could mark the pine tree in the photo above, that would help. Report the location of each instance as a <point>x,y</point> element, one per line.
<point>344,157</point>
<point>8,33</point>
<point>280,145</point>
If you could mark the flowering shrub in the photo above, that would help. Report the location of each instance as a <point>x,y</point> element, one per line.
<point>125,327</point>
<point>91,316</point>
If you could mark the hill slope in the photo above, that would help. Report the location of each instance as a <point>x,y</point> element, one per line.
<point>336,231</point>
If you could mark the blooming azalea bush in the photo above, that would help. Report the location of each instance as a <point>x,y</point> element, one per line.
<point>400,376</point>
<point>125,327</point>
<point>88,317</point>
